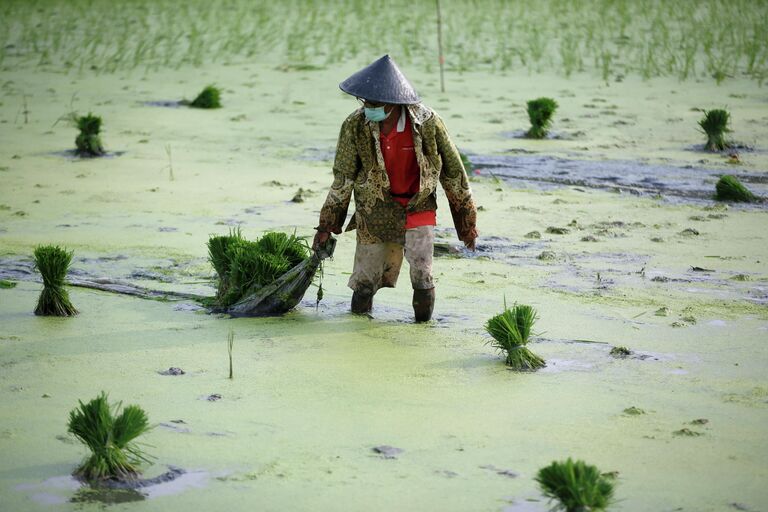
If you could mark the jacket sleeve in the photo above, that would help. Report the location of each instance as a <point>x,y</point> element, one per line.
<point>345,169</point>
<point>453,178</point>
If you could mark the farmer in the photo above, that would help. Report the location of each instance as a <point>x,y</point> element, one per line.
<point>391,153</point>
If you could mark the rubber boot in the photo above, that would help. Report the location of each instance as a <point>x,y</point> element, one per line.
<point>423,304</point>
<point>362,302</point>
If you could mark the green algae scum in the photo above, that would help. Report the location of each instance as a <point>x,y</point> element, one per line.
<point>631,238</point>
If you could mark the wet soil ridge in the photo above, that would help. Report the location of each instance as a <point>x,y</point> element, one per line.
<point>603,273</point>
<point>21,270</point>
<point>172,474</point>
<point>689,182</point>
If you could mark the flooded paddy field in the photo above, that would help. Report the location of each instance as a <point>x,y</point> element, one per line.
<point>608,228</point>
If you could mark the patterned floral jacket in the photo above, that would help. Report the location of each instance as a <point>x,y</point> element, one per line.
<point>359,167</point>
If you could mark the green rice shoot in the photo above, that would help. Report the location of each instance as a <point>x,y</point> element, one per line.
<point>729,188</point>
<point>510,332</point>
<point>53,262</point>
<point>577,486</point>
<point>540,112</point>
<point>209,97</point>
<point>230,346</point>
<point>110,435</point>
<point>218,246</point>
<point>715,126</point>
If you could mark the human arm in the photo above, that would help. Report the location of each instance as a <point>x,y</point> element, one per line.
<point>345,168</point>
<point>454,180</point>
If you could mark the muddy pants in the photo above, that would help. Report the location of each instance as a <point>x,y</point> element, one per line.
<point>378,265</point>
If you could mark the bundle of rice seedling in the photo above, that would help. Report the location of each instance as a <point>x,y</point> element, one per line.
<point>110,437</point>
<point>53,262</point>
<point>217,255</point>
<point>540,113</point>
<point>729,188</point>
<point>88,141</point>
<point>715,125</point>
<point>244,266</point>
<point>577,486</point>
<point>510,331</point>
<point>209,97</point>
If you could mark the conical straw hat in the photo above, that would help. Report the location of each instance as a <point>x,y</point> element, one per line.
<point>382,82</point>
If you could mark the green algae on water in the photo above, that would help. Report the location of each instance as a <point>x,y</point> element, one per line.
<point>540,113</point>
<point>576,485</point>
<point>715,126</point>
<point>729,188</point>
<point>7,284</point>
<point>53,262</point>
<point>209,97</point>
<point>110,437</point>
<point>510,331</point>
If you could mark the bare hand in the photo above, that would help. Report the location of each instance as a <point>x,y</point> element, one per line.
<point>320,238</point>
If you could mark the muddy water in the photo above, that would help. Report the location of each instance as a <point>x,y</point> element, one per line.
<point>689,182</point>
<point>316,391</point>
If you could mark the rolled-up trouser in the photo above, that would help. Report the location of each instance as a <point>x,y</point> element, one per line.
<point>378,265</point>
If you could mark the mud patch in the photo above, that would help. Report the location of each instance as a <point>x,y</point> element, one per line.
<point>71,154</point>
<point>58,490</point>
<point>689,183</point>
<point>387,452</point>
<point>165,103</point>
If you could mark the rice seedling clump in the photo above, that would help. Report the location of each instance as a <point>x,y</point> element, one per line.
<point>510,331</point>
<point>88,141</point>
<point>209,97</point>
<point>729,188</point>
<point>540,113</point>
<point>576,485</point>
<point>244,266</point>
<point>53,262</point>
<point>715,126</point>
<point>110,437</point>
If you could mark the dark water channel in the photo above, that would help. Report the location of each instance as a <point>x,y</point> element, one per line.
<point>690,183</point>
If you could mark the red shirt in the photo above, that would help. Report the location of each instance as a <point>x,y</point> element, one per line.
<point>403,171</point>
